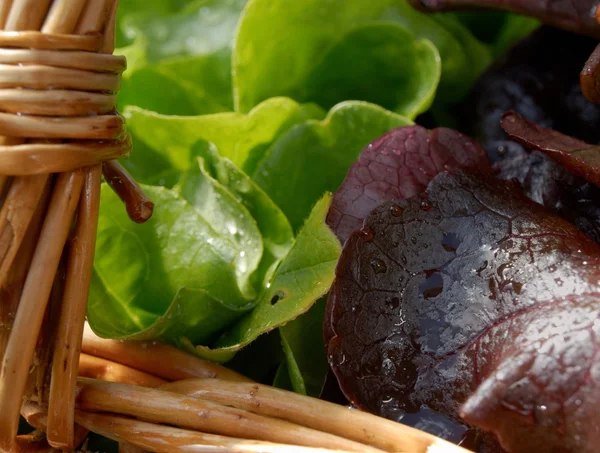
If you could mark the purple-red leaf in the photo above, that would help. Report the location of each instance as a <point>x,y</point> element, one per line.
<point>471,293</point>
<point>396,167</point>
<point>580,158</point>
<point>578,16</point>
<point>590,77</point>
<point>548,61</point>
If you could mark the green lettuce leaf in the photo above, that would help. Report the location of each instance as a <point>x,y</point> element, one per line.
<point>174,275</point>
<point>302,341</point>
<point>497,29</point>
<point>305,50</point>
<point>164,144</point>
<point>196,266</point>
<point>181,55</point>
<point>282,378</point>
<point>314,157</point>
<point>273,225</point>
<point>301,278</point>
<point>380,63</point>
<point>282,47</point>
<point>464,57</point>
<point>129,10</point>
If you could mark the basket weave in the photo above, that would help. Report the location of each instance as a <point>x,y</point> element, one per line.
<point>60,133</point>
<point>58,83</point>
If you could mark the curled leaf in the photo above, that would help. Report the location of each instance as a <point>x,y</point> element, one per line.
<point>301,278</point>
<point>548,61</point>
<point>578,16</point>
<point>470,300</point>
<point>313,157</point>
<point>578,157</point>
<point>590,77</point>
<point>397,166</point>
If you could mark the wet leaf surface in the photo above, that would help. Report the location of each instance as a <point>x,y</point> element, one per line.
<point>547,62</point>
<point>473,302</point>
<point>579,157</point>
<point>396,167</point>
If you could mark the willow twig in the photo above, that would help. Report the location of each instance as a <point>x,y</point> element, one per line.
<point>21,344</point>
<point>313,413</point>
<point>125,447</point>
<point>166,439</point>
<point>138,205</point>
<point>34,442</point>
<point>72,315</point>
<point>16,215</point>
<point>63,17</point>
<point>192,413</point>
<point>37,417</point>
<point>4,185</point>
<point>155,358</point>
<point>16,16</point>
<point>97,368</point>
<point>11,290</point>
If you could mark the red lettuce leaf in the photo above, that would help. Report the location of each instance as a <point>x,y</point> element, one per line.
<point>590,77</point>
<point>578,16</point>
<point>549,184</point>
<point>471,300</point>
<point>396,167</point>
<point>538,79</point>
<point>580,158</point>
<point>548,61</point>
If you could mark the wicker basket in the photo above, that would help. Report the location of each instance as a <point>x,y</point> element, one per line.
<point>60,132</point>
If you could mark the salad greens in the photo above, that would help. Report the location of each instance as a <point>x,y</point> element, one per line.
<point>244,115</point>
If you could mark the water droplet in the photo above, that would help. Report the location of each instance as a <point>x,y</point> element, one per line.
<point>502,268</point>
<point>367,234</point>
<point>396,210</point>
<point>387,367</point>
<point>432,286</point>
<point>482,267</point>
<point>378,266</point>
<point>501,150</point>
<point>413,240</point>
<point>426,205</point>
<point>517,286</point>
<point>450,242</point>
<point>393,303</point>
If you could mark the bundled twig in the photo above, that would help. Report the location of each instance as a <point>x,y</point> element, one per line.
<point>155,358</point>
<point>222,407</point>
<point>57,100</point>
